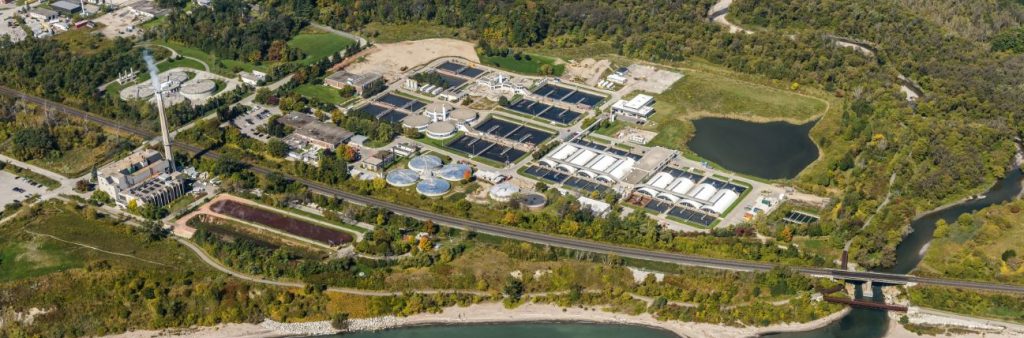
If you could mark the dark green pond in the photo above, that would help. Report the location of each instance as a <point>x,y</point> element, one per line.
<point>772,150</point>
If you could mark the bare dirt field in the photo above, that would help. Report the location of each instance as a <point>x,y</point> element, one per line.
<point>118,23</point>
<point>389,58</point>
<point>586,71</point>
<point>650,79</point>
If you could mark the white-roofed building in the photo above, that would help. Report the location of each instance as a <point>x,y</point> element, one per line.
<point>598,208</point>
<point>601,165</point>
<point>637,109</point>
<point>721,201</point>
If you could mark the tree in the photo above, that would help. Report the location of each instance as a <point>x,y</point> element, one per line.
<point>278,148</point>
<point>503,101</point>
<point>514,289</point>
<point>340,321</point>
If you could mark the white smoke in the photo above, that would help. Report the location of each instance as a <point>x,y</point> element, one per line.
<point>153,72</point>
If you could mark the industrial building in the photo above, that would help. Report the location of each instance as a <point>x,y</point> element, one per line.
<point>601,165</point>
<point>144,177</point>
<point>357,81</point>
<point>43,14</point>
<point>378,161</point>
<point>322,135</point>
<point>66,8</point>
<point>681,187</point>
<point>638,109</point>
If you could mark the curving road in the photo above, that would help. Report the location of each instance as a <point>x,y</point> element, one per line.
<point>530,236</point>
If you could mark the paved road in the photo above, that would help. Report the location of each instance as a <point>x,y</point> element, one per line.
<point>534,237</point>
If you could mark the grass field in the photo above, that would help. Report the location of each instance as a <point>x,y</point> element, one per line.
<point>701,93</point>
<point>82,41</point>
<point>28,250</point>
<point>531,66</point>
<point>318,45</point>
<point>388,33</point>
<point>183,62</point>
<point>225,67</point>
<point>321,93</point>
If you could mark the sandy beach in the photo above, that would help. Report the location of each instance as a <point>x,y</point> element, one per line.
<point>485,313</point>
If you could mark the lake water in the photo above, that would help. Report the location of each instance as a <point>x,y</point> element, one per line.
<point>519,330</point>
<point>772,150</point>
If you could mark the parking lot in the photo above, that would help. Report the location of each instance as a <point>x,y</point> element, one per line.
<point>255,118</point>
<point>14,188</point>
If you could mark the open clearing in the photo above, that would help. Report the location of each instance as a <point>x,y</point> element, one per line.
<point>389,59</point>
<point>321,93</point>
<point>529,64</point>
<point>318,45</point>
<point>699,94</point>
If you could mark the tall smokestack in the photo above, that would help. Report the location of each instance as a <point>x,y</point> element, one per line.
<point>158,90</point>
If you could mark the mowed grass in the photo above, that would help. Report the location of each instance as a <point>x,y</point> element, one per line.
<point>319,45</point>
<point>321,93</point>
<point>527,63</point>
<point>701,93</point>
<point>225,67</point>
<point>183,63</point>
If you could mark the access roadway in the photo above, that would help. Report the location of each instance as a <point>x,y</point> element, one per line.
<point>531,236</point>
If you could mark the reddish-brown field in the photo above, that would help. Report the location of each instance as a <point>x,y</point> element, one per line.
<point>280,222</point>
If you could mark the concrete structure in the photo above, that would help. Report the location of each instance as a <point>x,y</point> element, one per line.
<point>402,177</point>
<point>357,81</point>
<point>418,122</point>
<point>433,187</point>
<point>319,134</point>
<point>43,14</point>
<point>598,208</point>
<point>249,78</point>
<point>425,163</point>
<point>66,8</point>
<point>438,111</point>
<point>653,160</point>
<point>143,177</point>
<point>503,192</point>
<point>464,116</point>
<point>441,130</point>
<point>199,89</point>
<point>490,176</point>
<point>637,109</point>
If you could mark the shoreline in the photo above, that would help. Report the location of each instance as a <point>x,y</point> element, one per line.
<point>496,313</point>
<point>487,314</point>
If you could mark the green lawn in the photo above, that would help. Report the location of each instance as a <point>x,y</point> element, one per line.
<point>531,66</point>
<point>318,46</point>
<point>35,256</point>
<point>183,62</point>
<point>321,93</point>
<point>225,67</point>
<point>701,93</point>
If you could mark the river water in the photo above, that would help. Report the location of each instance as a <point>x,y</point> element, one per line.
<point>773,150</point>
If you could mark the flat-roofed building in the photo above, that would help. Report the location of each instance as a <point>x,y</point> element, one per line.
<point>317,133</point>
<point>66,7</point>
<point>43,14</point>
<point>638,109</point>
<point>357,81</point>
<point>378,161</point>
<point>143,177</point>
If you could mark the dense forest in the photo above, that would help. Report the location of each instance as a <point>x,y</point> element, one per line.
<point>231,29</point>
